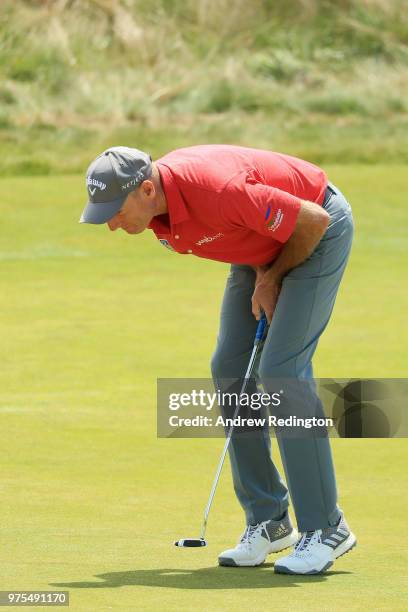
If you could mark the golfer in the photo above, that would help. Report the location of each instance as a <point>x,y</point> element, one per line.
<point>287,233</point>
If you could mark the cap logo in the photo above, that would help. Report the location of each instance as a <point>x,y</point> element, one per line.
<point>91,181</point>
<point>138,178</point>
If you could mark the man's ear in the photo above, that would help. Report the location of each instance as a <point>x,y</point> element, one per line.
<point>148,188</point>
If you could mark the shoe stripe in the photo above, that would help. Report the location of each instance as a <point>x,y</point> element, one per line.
<point>343,532</point>
<point>331,543</point>
<point>338,537</point>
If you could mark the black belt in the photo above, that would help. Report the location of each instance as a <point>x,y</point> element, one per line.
<point>328,194</point>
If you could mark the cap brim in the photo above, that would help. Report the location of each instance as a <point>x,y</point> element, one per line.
<point>101,212</point>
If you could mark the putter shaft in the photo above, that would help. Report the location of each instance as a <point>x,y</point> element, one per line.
<point>259,336</point>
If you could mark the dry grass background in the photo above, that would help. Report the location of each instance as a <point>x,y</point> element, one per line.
<point>185,67</point>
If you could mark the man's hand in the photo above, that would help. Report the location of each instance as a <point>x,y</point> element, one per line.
<point>265,296</point>
<point>311,224</point>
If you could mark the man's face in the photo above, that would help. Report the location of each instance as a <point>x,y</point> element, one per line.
<point>137,210</point>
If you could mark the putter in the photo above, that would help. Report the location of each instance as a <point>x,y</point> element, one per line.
<point>201,541</point>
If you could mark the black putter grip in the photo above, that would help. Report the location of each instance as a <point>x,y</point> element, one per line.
<point>190,543</point>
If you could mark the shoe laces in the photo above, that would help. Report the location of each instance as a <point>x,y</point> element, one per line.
<point>249,534</point>
<point>307,539</point>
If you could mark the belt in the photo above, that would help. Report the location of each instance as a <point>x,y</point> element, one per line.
<point>328,194</point>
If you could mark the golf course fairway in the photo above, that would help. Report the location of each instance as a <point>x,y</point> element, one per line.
<point>91,500</point>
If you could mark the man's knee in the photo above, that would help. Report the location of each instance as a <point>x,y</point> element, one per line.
<point>218,369</point>
<point>296,365</point>
<point>226,368</point>
<point>268,369</point>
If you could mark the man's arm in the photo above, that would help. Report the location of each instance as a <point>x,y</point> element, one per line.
<point>311,224</point>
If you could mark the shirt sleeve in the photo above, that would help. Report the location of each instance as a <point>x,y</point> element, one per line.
<point>269,211</point>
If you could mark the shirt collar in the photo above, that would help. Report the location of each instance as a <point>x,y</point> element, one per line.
<point>176,207</point>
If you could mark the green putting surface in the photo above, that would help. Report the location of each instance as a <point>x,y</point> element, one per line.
<point>91,500</point>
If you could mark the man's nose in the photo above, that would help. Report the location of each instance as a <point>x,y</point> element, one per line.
<point>113,224</point>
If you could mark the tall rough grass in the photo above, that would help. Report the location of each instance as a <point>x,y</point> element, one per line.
<point>105,63</point>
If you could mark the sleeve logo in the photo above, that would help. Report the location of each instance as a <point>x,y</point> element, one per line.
<point>273,221</point>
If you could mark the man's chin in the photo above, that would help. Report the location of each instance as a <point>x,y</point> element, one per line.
<point>134,230</point>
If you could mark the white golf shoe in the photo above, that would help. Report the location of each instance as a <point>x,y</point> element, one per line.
<point>317,550</point>
<point>258,541</point>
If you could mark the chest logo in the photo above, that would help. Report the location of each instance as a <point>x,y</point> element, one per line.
<point>166,243</point>
<point>207,239</point>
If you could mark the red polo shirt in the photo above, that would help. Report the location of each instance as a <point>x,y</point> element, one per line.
<point>233,204</point>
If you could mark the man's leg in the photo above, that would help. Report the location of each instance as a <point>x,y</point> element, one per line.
<point>257,482</point>
<point>303,310</point>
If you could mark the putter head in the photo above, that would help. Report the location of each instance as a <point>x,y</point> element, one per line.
<point>191,543</point>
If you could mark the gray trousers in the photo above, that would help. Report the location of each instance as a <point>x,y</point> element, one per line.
<point>302,312</point>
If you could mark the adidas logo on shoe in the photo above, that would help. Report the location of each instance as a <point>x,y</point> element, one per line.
<point>317,550</point>
<point>258,541</point>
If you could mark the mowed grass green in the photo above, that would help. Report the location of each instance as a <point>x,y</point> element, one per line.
<point>91,499</point>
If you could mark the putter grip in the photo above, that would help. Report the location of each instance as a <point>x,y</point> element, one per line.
<point>261,329</point>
